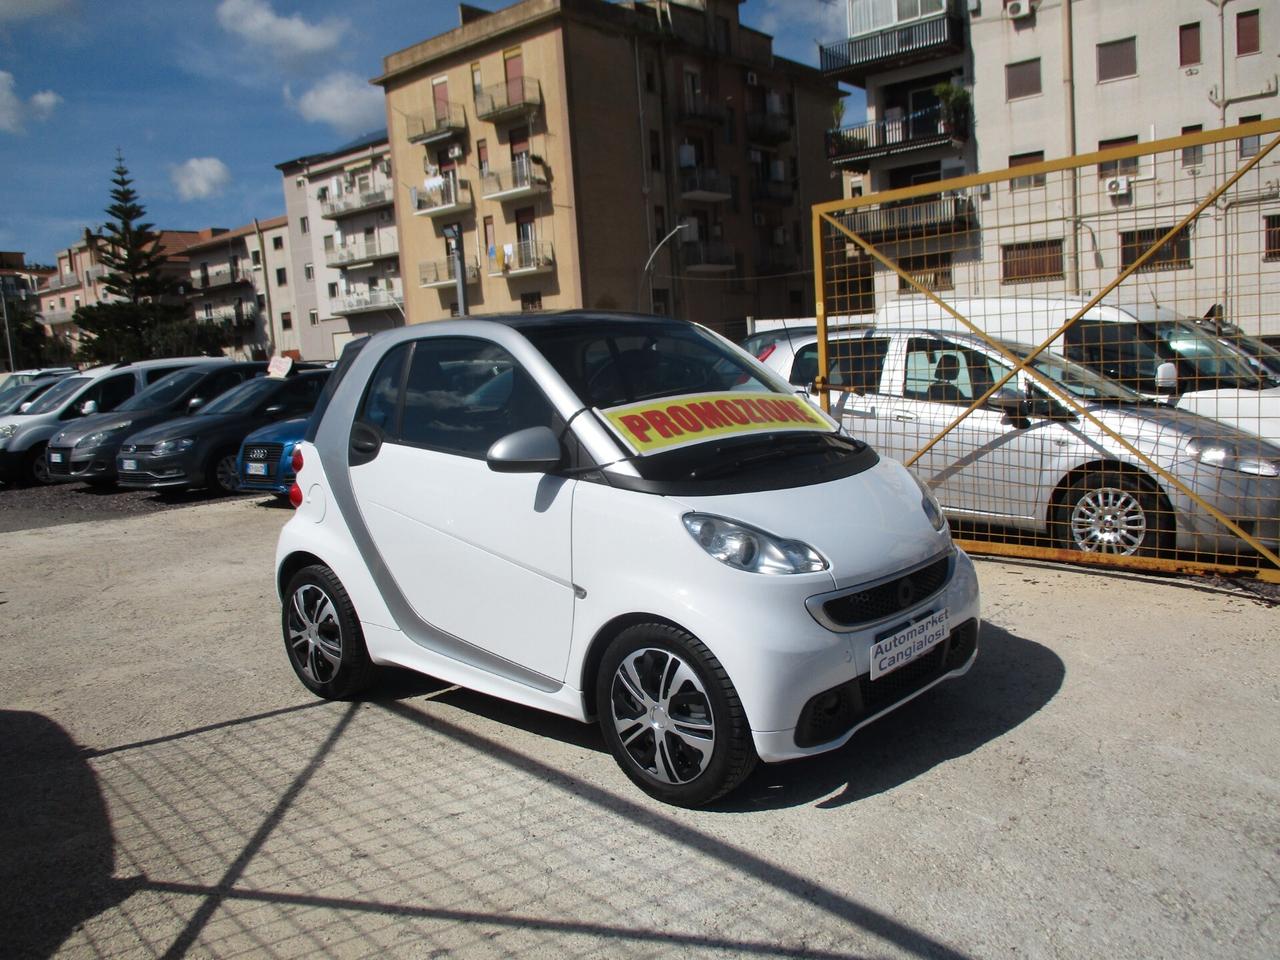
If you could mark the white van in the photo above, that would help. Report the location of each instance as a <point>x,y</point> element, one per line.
<point>1125,342</point>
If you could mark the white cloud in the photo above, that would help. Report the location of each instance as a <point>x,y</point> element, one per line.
<point>30,9</point>
<point>346,102</point>
<point>798,28</point>
<point>289,38</point>
<point>200,177</point>
<point>14,112</point>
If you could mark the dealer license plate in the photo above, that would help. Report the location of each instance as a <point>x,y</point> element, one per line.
<point>55,458</point>
<point>128,464</point>
<point>901,647</point>
<point>256,469</point>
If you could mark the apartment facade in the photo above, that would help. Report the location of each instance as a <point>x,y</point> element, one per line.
<point>235,279</point>
<point>344,248</point>
<point>559,143</point>
<point>1048,80</point>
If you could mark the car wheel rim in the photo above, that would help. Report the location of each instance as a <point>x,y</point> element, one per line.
<point>226,474</point>
<point>40,470</point>
<point>663,716</point>
<point>315,636</point>
<point>1108,520</point>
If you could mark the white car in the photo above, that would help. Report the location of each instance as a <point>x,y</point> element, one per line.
<point>622,517</point>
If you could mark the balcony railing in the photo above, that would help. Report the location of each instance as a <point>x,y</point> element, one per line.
<point>703,183</point>
<point>350,203</point>
<point>220,276</point>
<point>882,138</point>
<point>908,221</point>
<point>60,281</point>
<point>713,256</point>
<point>235,317</point>
<point>441,273</point>
<point>772,191</point>
<point>768,128</point>
<point>360,251</point>
<point>96,272</point>
<point>447,120</point>
<point>56,318</point>
<point>449,196</point>
<point>521,179</point>
<point>853,59</point>
<point>519,259</point>
<point>515,96</point>
<point>366,302</point>
<point>701,109</point>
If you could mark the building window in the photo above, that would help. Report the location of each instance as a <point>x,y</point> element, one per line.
<point>482,156</point>
<point>1112,168</point>
<point>1022,160</point>
<point>282,278</point>
<point>1249,146</point>
<point>477,83</point>
<point>309,271</point>
<point>1036,260</point>
<point>1271,237</point>
<point>931,270</point>
<point>313,317</point>
<point>871,16</point>
<point>1247,33</point>
<point>531,301</point>
<point>277,243</point>
<point>1192,156</point>
<point>322,194</point>
<point>650,78</point>
<point>1022,79</point>
<point>655,150</point>
<point>286,320</point>
<point>1118,58</point>
<point>255,257</point>
<point>1189,44</point>
<point>659,223</point>
<point>304,224</point>
<point>333,291</point>
<point>661,302</point>
<point>261,301</point>
<point>1175,254</point>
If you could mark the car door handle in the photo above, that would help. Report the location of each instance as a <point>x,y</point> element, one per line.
<point>905,417</point>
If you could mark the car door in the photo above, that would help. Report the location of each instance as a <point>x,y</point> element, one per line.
<point>108,393</point>
<point>480,555</point>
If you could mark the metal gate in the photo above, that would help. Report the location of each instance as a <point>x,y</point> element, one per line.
<point>1069,352</point>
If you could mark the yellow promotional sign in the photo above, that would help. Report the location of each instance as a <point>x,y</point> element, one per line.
<point>669,422</point>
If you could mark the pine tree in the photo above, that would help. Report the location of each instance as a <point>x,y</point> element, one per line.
<point>132,247</point>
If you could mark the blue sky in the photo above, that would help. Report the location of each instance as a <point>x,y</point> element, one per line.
<point>205,97</point>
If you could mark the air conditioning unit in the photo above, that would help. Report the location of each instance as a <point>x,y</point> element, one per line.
<point>455,152</point>
<point>1117,186</point>
<point>1018,9</point>
<point>385,166</point>
<point>752,79</point>
<point>757,218</point>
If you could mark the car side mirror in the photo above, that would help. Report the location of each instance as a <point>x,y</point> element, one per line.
<point>89,407</point>
<point>194,404</point>
<point>532,450</point>
<point>274,410</point>
<point>1015,407</point>
<point>1167,378</point>
<point>25,407</point>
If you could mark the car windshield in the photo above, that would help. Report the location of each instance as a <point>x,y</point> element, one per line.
<point>164,391</point>
<point>1263,354</point>
<point>1212,364</point>
<point>10,401</point>
<point>1075,378</point>
<point>247,396</point>
<point>54,399</point>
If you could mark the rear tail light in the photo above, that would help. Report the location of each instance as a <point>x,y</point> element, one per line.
<point>766,351</point>
<point>296,460</point>
<point>295,496</point>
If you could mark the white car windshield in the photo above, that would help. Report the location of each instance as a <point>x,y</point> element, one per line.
<point>54,399</point>
<point>1076,379</point>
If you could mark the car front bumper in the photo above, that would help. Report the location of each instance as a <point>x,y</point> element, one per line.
<point>68,464</point>
<point>1251,501</point>
<point>146,471</point>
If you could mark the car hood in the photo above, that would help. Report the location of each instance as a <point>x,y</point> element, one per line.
<point>1253,411</point>
<point>136,420</point>
<point>193,426</point>
<point>867,526</point>
<point>286,431</point>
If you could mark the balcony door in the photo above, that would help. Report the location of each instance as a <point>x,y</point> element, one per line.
<point>440,96</point>
<point>925,110</point>
<point>513,65</point>
<point>526,237</point>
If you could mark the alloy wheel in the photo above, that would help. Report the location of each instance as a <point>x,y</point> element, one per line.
<point>315,636</point>
<point>226,474</point>
<point>663,716</point>
<point>1109,520</point>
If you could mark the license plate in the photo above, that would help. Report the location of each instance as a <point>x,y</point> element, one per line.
<point>55,458</point>
<point>901,647</point>
<point>128,464</point>
<point>256,469</point>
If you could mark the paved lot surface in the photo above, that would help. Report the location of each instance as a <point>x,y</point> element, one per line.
<point>26,508</point>
<point>1102,784</point>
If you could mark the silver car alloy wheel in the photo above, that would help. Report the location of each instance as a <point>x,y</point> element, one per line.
<point>662,715</point>
<point>315,635</point>
<point>226,474</point>
<point>1109,520</point>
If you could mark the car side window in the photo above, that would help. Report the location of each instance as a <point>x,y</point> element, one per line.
<point>299,396</point>
<point>220,383</point>
<point>380,407</point>
<point>113,391</point>
<point>856,364</point>
<point>804,370</point>
<point>941,372</point>
<point>462,394</point>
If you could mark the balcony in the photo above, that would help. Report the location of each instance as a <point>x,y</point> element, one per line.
<point>349,203</point>
<point>514,182</point>
<point>447,121</point>
<point>360,253</point>
<point>703,183</point>
<point>223,275</point>
<point>61,281</point>
<point>909,221</point>
<point>511,98</point>
<point>882,138</point>
<point>57,318</point>
<point>853,59</point>
<point>714,256</point>
<point>96,272</point>
<point>772,191</point>
<point>775,260</point>
<point>441,273</point>
<point>447,197</point>
<point>701,110</point>
<point>768,129</point>
<point>522,259</point>
<point>368,302</point>
<point>241,317</point>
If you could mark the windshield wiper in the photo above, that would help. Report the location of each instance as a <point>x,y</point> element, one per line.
<point>780,448</point>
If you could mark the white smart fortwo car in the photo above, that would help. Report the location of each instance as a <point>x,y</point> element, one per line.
<point>619,517</point>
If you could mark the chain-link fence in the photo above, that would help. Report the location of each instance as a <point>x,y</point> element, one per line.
<point>1073,354</point>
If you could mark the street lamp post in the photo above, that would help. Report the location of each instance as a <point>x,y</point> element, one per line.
<point>8,339</point>
<point>644,274</point>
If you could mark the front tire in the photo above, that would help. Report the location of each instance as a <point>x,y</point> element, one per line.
<point>221,475</point>
<point>322,635</point>
<point>36,471</point>
<point>1114,513</point>
<point>672,717</point>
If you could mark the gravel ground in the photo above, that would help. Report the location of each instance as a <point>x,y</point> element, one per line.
<point>26,508</point>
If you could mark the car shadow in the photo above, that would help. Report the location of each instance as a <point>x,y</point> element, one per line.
<point>56,849</point>
<point>1011,680</point>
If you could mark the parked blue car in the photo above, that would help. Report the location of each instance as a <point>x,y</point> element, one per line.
<point>265,461</point>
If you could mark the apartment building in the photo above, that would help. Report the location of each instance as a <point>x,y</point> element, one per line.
<point>559,143</point>
<point>344,249</point>
<point>961,86</point>
<point>239,279</point>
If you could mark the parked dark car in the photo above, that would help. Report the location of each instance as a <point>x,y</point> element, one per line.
<point>266,457</point>
<point>200,450</point>
<point>86,450</point>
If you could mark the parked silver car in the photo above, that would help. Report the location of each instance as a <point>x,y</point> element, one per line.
<point>1025,460</point>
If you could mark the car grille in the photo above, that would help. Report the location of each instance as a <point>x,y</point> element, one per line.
<point>893,596</point>
<point>835,712</point>
<point>137,448</point>
<point>62,469</point>
<point>268,452</point>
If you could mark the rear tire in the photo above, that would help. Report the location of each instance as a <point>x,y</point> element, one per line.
<point>1112,512</point>
<point>322,635</point>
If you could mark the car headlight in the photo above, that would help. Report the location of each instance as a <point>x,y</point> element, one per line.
<point>746,548</point>
<point>98,438</point>
<point>1227,456</point>
<point>929,503</point>
<point>8,430</point>
<point>165,447</point>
